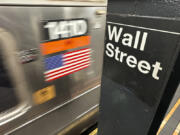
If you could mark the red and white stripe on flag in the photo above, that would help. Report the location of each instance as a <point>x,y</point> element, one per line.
<point>72,62</point>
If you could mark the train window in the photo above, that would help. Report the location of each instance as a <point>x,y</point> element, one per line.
<point>14,99</point>
<point>8,98</point>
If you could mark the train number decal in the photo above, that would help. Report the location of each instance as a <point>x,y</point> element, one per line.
<point>60,29</point>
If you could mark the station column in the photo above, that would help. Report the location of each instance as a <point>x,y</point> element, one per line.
<point>141,62</point>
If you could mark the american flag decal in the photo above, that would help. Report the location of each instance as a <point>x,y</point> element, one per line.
<point>63,64</point>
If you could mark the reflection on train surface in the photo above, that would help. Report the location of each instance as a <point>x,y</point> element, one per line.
<point>51,56</point>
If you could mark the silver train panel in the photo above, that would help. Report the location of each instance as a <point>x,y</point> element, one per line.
<point>20,30</point>
<point>93,3</point>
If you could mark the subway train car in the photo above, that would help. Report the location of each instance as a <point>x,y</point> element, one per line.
<point>51,55</point>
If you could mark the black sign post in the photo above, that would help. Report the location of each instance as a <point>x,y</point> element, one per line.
<point>139,73</point>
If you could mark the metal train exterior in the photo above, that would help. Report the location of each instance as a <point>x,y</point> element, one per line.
<point>50,65</point>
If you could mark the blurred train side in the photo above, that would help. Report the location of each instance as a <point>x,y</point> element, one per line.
<point>71,103</point>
